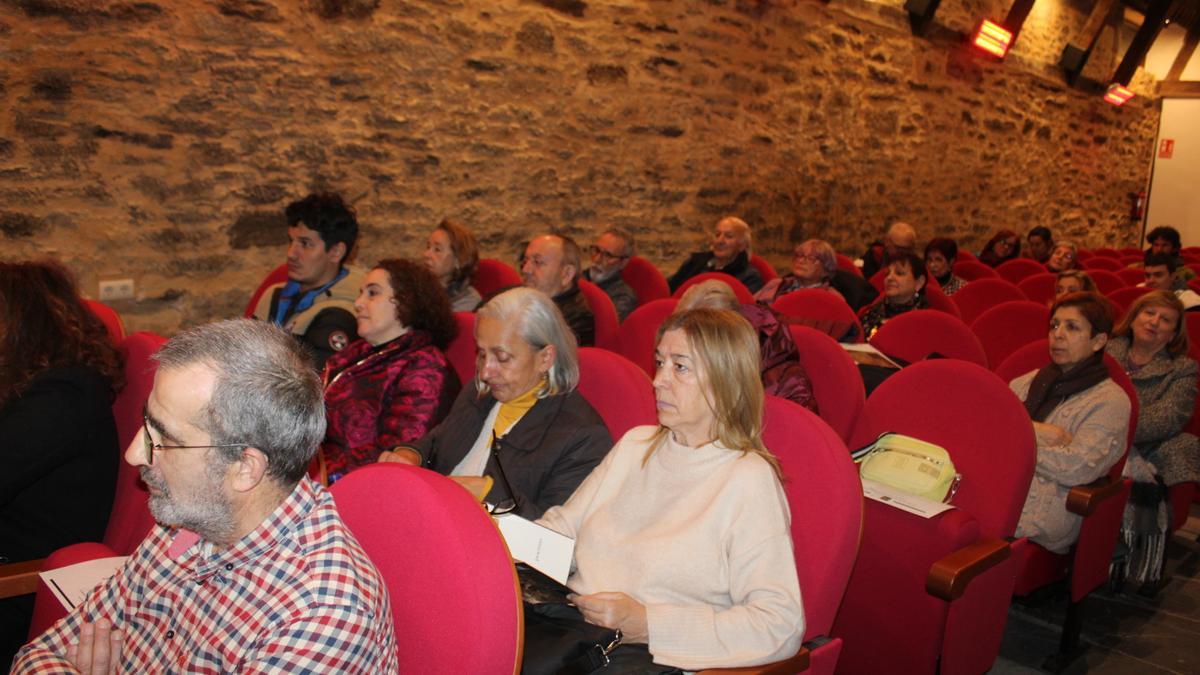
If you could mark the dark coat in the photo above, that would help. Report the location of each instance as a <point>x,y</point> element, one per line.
<point>545,456</point>
<point>740,269</point>
<point>578,314</point>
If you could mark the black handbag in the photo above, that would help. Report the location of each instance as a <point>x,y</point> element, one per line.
<point>558,640</point>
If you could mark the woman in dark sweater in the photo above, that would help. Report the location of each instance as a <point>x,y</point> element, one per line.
<point>59,373</point>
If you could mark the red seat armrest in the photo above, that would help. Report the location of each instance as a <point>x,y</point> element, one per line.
<point>948,578</point>
<point>20,578</point>
<point>1083,500</point>
<point>796,664</point>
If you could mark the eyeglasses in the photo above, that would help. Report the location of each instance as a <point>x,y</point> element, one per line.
<point>151,446</point>
<point>809,257</point>
<point>597,251</point>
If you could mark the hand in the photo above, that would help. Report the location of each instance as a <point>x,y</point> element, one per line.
<point>614,610</point>
<point>1051,435</point>
<point>98,650</point>
<point>400,455</point>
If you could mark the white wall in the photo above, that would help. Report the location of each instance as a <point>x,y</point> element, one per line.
<point>1175,186</point>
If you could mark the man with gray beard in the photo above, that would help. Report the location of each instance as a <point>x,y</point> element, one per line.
<point>251,569</point>
<point>610,253</point>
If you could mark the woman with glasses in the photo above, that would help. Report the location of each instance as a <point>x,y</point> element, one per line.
<point>814,263</point>
<point>682,535</point>
<point>394,384</point>
<point>1080,417</point>
<point>523,425</point>
<point>452,255</point>
<point>59,373</point>
<point>1001,248</point>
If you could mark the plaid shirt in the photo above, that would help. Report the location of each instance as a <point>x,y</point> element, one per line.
<point>296,595</point>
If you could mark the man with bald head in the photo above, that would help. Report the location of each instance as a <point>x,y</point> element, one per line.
<point>551,264</point>
<point>728,252</point>
<point>900,238</point>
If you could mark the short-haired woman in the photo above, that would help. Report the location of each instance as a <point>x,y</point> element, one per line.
<point>814,263</point>
<point>1080,417</point>
<point>940,255</point>
<point>1151,342</point>
<point>1072,281</point>
<point>522,423</point>
<point>452,255</point>
<point>1064,257</point>
<point>682,537</point>
<point>903,291</point>
<point>394,384</point>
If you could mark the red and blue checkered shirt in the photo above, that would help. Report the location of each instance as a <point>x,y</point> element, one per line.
<point>298,594</point>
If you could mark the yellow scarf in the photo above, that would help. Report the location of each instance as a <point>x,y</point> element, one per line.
<point>511,412</point>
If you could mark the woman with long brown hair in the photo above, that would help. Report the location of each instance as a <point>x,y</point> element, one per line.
<point>58,441</point>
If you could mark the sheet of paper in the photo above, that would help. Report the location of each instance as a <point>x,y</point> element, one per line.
<point>72,584</point>
<point>865,353</point>
<point>539,547</point>
<point>926,508</point>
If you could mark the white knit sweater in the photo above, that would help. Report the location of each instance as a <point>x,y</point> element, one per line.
<point>701,537</point>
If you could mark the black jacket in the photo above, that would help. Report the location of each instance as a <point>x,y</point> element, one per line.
<point>740,268</point>
<point>545,456</point>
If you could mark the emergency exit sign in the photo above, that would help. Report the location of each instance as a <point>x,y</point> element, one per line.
<point>1166,148</point>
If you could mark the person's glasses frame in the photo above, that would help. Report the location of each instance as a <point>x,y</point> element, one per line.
<point>597,251</point>
<point>151,446</point>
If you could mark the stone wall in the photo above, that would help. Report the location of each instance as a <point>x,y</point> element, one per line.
<point>160,141</point>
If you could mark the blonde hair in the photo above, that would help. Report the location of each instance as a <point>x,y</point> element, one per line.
<point>726,348</point>
<point>1180,343</point>
<point>711,293</point>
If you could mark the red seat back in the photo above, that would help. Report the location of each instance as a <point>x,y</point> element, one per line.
<point>1099,262</point>
<point>1132,276</point>
<point>836,383</point>
<point>1106,281</point>
<point>275,276</point>
<point>492,276</point>
<point>461,350</point>
<point>456,603</point>
<point>914,335</point>
<point>1039,287</point>
<point>604,313</point>
<point>814,303</point>
<point>979,296</point>
<point>619,391</point>
<point>743,294</point>
<point>765,270</point>
<point>1107,253</point>
<point>940,302</point>
<point>970,270</point>
<point>109,317</point>
<point>130,520</point>
<point>1122,298</point>
<point>1013,271</point>
<point>1009,326</point>
<point>647,282</point>
<point>635,337</point>
<point>845,263</point>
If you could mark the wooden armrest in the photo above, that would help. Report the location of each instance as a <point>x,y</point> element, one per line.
<point>948,578</point>
<point>795,664</point>
<point>20,578</point>
<point>1083,500</point>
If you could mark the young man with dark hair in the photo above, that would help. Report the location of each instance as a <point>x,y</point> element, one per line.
<point>316,304</point>
<point>1161,275</point>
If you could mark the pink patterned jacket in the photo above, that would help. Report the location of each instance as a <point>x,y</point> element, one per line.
<point>379,397</point>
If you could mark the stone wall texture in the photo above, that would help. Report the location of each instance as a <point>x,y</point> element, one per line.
<point>160,140</point>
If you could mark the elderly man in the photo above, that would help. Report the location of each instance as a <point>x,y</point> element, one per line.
<point>1160,269</point>
<point>729,252</point>
<point>551,264</point>
<point>610,253</point>
<point>900,238</point>
<point>251,569</point>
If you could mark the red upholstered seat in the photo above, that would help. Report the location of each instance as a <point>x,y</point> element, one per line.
<point>1130,250</point>
<point>818,305</point>
<point>914,335</point>
<point>964,254</point>
<point>1008,326</point>
<point>647,282</point>
<point>1132,259</point>
<point>1099,262</point>
<point>635,337</point>
<point>971,270</point>
<point>1132,276</point>
<point>492,276</point>
<point>836,383</point>
<point>1106,281</point>
<point>1101,504</point>
<point>765,270</point>
<point>979,296</point>
<point>847,264</point>
<point>1013,271</point>
<point>1082,254</point>
<point>455,598</point>
<point>130,520</point>
<point>1107,253</point>
<point>940,302</point>
<point>461,350</point>
<point>1122,298</point>
<point>743,294</point>
<point>932,595</point>
<point>276,276</point>
<point>1039,287</point>
<point>604,313</point>
<point>618,390</point>
<point>109,317</point>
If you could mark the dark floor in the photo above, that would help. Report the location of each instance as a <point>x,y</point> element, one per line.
<point>1124,633</point>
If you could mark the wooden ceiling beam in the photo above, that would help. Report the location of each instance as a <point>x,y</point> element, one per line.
<point>1190,89</point>
<point>1156,17</point>
<point>1075,55</point>
<point>1185,53</point>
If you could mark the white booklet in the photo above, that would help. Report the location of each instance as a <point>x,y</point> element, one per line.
<point>886,494</point>
<point>539,547</point>
<point>72,584</point>
<point>866,354</point>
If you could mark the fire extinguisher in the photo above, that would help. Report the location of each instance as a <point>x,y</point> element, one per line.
<point>1137,205</point>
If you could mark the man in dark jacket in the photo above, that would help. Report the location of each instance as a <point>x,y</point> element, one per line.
<point>729,252</point>
<point>551,265</point>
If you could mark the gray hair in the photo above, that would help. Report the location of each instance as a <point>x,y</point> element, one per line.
<point>711,294</point>
<point>539,323</point>
<point>628,245</point>
<point>825,255</point>
<point>742,228</point>
<point>266,395</point>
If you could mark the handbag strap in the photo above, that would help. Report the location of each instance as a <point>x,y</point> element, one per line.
<point>593,659</point>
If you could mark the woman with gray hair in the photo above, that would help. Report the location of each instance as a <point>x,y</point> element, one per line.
<point>523,424</point>
<point>814,263</point>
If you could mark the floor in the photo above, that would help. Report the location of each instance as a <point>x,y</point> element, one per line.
<point>1124,633</point>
